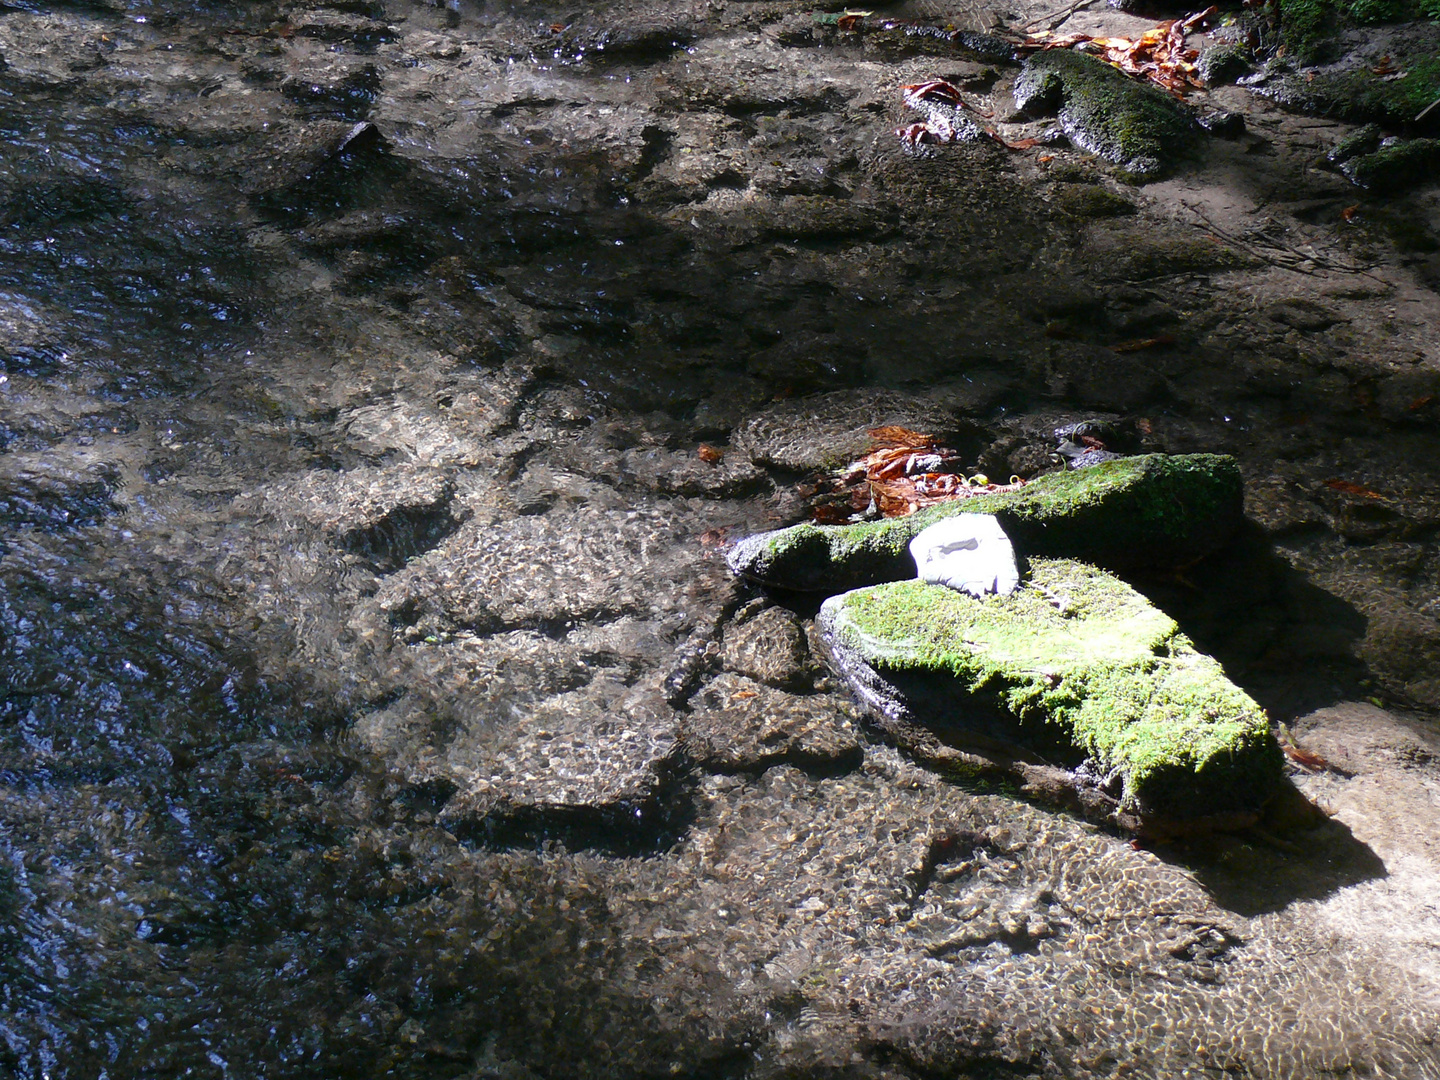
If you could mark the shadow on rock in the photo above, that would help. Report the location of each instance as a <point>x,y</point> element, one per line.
<point>1297,852</point>
<point>619,829</point>
<point>1288,643</point>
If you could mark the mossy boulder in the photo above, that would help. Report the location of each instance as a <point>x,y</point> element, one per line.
<point>1148,510</point>
<point>1396,166</point>
<point>1387,75</point>
<point>1076,670</point>
<point>1131,124</point>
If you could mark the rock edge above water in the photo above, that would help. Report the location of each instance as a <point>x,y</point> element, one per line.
<point>1077,673</point>
<point>1128,123</point>
<point>1148,510</point>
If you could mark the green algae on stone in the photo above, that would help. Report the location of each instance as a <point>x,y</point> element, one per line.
<point>1131,124</point>
<point>1148,510</point>
<point>1350,89</point>
<point>1075,661</point>
<point>1395,167</point>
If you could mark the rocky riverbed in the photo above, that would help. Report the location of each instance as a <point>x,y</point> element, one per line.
<point>384,386</point>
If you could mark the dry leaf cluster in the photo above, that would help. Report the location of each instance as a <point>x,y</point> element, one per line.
<point>904,471</point>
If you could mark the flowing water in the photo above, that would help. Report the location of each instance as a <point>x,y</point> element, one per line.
<point>216,281</point>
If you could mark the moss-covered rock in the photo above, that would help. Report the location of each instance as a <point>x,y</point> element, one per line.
<point>1077,669</point>
<point>1136,126</point>
<point>1222,63</point>
<point>1148,510</point>
<point>1388,75</point>
<point>1396,166</point>
<point>1309,29</point>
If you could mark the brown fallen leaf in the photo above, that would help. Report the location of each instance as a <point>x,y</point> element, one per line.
<point>709,454</point>
<point>889,435</point>
<point>1159,55</point>
<point>1350,211</point>
<point>1420,402</point>
<point>1311,761</point>
<point>1353,489</point>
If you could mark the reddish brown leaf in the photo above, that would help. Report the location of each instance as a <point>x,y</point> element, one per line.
<point>1353,489</point>
<point>1350,211</point>
<point>893,435</point>
<point>709,454</point>
<point>1420,402</point>
<point>1308,759</point>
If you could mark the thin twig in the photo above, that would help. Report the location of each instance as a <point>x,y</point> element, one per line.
<point>1056,18</point>
<point>1281,254</point>
<point>1427,110</point>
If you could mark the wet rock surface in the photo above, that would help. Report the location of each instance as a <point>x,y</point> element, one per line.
<point>383,386</point>
<point>1128,123</point>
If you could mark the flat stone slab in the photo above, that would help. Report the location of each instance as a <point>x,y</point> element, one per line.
<point>1075,671</point>
<point>738,725</point>
<point>393,511</point>
<point>604,751</point>
<point>586,565</point>
<point>1154,509</point>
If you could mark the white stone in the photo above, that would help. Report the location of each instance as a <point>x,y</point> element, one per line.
<point>969,553</point>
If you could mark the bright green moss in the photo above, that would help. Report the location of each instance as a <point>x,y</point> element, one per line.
<point>1077,656</point>
<point>1147,510</point>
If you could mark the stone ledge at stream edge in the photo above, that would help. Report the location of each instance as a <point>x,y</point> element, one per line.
<point>1149,510</point>
<point>1075,672</point>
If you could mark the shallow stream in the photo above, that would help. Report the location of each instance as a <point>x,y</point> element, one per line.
<point>296,301</point>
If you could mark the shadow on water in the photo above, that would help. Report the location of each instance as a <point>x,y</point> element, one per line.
<point>1291,646</point>
<point>1296,853</point>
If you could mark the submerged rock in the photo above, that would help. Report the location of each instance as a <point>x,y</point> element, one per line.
<point>1152,509</point>
<point>1133,125</point>
<point>1078,670</point>
<point>826,431</point>
<point>737,725</point>
<point>969,553</point>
